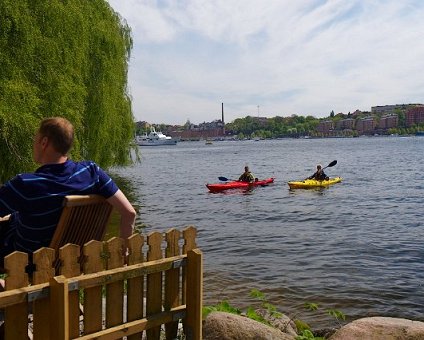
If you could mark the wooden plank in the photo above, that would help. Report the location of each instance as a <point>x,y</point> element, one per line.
<point>137,326</point>
<point>16,317</point>
<point>19,295</point>
<point>43,260</point>
<point>115,290</point>
<point>154,283</point>
<point>193,325</point>
<point>135,286</point>
<point>172,281</point>
<point>70,267</point>
<point>124,273</point>
<point>93,252</point>
<point>189,236</point>
<point>59,308</point>
<point>77,200</point>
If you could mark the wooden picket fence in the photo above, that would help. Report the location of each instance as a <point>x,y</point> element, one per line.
<point>153,289</point>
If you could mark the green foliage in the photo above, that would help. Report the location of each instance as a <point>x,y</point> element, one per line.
<point>306,334</point>
<point>272,127</point>
<point>270,308</point>
<point>70,59</point>
<point>257,294</point>
<point>301,325</point>
<point>223,306</point>
<point>311,306</point>
<point>251,314</point>
<point>338,315</point>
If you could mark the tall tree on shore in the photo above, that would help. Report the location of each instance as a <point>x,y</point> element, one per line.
<point>70,59</point>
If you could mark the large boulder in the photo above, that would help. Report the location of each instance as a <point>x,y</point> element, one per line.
<point>381,328</point>
<point>226,326</point>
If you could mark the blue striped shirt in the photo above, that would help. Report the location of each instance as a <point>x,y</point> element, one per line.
<point>35,200</point>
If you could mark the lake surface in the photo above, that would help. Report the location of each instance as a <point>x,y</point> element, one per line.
<point>356,246</point>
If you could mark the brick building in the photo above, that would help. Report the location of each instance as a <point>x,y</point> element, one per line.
<point>388,121</point>
<point>345,124</point>
<point>414,115</point>
<point>325,126</point>
<point>365,125</point>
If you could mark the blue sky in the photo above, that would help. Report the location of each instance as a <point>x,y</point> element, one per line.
<point>275,57</point>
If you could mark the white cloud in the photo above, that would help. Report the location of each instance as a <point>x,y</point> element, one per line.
<point>303,57</point>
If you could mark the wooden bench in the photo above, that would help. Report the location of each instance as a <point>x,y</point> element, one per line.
<point>84,218</point>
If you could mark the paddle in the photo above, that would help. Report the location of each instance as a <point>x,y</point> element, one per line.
<point>224,179</point>
<point>333,163</point>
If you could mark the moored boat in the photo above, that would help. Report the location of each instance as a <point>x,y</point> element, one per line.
<point>155,138</point>
<point>218,187</point>
<point>313,183</point>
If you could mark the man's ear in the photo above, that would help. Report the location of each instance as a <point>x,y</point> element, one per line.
<point>44,142</point>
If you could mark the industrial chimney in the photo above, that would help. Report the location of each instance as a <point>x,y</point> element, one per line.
<point>223,123</point>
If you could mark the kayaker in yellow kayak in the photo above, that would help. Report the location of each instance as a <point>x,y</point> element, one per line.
<point>246,176</point>
<point>319,175</point>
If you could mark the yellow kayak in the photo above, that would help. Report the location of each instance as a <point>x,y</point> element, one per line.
<point>313,183</point>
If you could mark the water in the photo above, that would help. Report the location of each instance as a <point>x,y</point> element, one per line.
<point>356,246</point>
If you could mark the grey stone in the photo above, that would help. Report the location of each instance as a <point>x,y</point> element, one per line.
<point>226,326</point>
<point>381,328</point>
<point>283,323</point>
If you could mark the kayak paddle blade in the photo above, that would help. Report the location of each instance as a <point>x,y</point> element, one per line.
<point>333,163</point>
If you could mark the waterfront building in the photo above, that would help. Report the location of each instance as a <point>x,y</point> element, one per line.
<point>414,115</point>
<point>365,125</point>
<point>388,121</point>
<point>390,109</point>
<point>325,126</point>
<point>345,124</point>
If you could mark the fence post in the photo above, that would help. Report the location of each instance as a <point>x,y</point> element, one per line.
<point>135,287</point>
<point>59,308</point>
<point>43,259</point>
<point>16,317</point>
<point>194,294</point>
<point>172,281</point>
<point>154,283</point>
<point>70,267</point>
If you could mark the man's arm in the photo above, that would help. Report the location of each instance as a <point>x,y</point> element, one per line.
<point>127,212</point>
<point>312,176</point>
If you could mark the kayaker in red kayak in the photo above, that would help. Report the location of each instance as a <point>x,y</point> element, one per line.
<point>319,175</point>
<point>246,176</point>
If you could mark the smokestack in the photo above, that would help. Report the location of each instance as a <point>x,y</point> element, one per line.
<point>223,124</point>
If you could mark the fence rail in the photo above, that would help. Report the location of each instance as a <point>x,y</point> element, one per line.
<point>108,294</point>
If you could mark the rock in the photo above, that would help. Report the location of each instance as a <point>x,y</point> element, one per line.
<point>324,332</point>
<point>283,323</point>
<point>381,328</point>
<point>226,326</point>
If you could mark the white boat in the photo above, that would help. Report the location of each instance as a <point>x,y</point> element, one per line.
<point>155,138</point>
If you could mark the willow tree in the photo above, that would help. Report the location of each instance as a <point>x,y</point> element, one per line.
<point>64,58</point>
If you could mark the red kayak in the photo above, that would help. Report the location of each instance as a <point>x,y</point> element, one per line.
<point>217,187</point>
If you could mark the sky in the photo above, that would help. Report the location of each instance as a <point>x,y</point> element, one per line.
<point>271,58</point>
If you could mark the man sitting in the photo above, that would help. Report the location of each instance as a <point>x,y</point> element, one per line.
<point>319,175</point>
<point>34,200</point>
<point>246,176</point>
